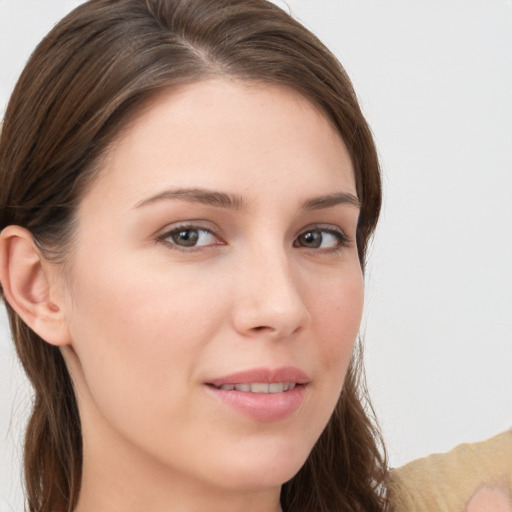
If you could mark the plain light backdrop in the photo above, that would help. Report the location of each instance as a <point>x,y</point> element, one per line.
<point>435,81</point>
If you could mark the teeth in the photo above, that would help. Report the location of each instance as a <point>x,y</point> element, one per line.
<point>260,387</point>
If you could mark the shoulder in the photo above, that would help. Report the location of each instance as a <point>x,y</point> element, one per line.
<point>458,480</point>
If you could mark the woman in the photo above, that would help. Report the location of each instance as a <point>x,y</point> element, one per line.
<point>187,194</point>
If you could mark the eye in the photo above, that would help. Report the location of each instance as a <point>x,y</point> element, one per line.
<point>318,238</point>
<point>184,237</point>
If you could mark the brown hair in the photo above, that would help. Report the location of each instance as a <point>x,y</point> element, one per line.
<point>93,70</point>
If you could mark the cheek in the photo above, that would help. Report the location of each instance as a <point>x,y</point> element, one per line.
<point>336,314</point>
<point>138,335</point>
<point>336,307</point>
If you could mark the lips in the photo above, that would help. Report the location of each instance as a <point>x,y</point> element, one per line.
<point>288,374</point>
<point>262,394</point>
<point>259,387</point>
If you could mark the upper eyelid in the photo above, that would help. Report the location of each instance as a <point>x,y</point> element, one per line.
<point>344,240</point>
<point>189,224</point>
<point>164,235</point>
<point>332,228</point>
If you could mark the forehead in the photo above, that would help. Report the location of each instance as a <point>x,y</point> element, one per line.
<point>224,133</point>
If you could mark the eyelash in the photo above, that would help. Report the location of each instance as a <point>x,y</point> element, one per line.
<point>342,239</point>
<point>188,227</point>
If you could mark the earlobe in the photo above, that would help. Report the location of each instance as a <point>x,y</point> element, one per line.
<point>27,287</point>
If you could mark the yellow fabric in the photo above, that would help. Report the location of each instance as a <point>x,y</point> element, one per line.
<point>473,477</point>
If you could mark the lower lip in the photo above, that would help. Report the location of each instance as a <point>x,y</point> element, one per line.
<point>265,407</point>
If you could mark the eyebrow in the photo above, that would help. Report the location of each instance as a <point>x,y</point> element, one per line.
<point>237,202</point>
<point>330,200</point>
<point>199,195</point>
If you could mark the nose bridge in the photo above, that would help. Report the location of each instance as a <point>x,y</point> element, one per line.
<point>269,298</point>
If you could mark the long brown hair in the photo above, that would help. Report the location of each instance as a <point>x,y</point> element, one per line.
<point>98,66</point>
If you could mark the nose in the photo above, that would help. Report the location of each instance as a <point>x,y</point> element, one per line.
<point>268,301</point>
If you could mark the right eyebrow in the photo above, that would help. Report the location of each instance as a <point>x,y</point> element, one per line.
<point>198,195</point>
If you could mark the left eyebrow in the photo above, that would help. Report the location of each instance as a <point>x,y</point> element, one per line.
<point>330,200</point>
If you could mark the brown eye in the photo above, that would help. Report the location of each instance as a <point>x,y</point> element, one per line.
<point>311,239</point>
<point>320,239</point>
<point>185,237</point>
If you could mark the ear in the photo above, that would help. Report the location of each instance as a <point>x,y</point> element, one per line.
<point>27,278</point>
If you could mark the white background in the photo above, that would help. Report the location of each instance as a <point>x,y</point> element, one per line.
<point>435,82</point>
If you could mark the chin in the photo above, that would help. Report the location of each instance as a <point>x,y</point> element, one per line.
<point>264,467</point>
<point>257,479</point>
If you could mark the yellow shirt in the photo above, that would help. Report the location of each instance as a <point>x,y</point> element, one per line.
<point>473,477</point>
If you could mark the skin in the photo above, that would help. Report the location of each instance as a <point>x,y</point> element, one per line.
<point>147,323</point>
<point>488,499</point>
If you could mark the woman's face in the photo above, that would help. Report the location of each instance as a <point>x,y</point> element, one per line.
<point>214,292</point>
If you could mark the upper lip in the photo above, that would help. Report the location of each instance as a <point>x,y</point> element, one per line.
<point>264,375</point>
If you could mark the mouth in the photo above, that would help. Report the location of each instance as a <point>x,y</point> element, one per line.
<point>262,394</point>
<point>259,387</point>
<point>262,380</point>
